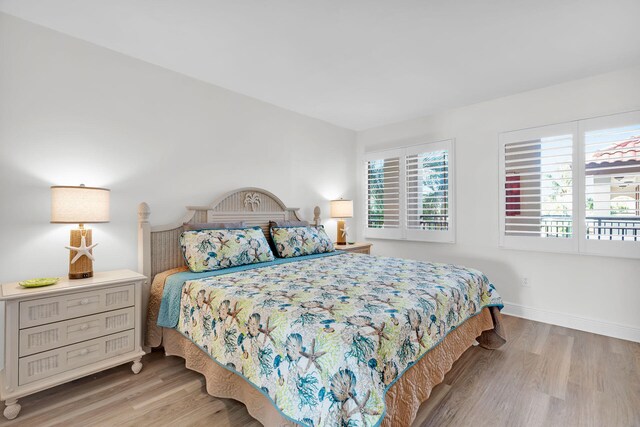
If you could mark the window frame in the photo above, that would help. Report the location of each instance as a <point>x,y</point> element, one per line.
<point>614,248</point>
<point>402,232</point>
<point>578,242</point>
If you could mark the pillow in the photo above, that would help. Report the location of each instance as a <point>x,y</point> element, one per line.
<point>213,225</point>
<point>283,223</point>
<point>297,241</point>
<point>208,250</point>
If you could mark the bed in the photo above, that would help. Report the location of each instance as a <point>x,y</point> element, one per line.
<point>319,340</point>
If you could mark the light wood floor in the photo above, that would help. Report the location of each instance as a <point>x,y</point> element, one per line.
<point>544,376</point>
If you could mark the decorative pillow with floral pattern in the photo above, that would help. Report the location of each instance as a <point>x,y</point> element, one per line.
<point>207,250</point>
<point>298,241</point>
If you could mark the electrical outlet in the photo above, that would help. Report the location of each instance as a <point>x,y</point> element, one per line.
<point>526,283</point>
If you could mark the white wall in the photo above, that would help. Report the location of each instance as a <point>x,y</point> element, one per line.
<point>72,112</point>
<point>596,293</point>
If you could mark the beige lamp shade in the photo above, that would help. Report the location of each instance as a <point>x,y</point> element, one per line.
<point>342,208</point>
<point>79,205</point>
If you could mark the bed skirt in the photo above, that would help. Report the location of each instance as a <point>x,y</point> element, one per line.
<point>403,398</point>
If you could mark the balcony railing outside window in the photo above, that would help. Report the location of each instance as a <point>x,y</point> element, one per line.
<point>434,222</point>
<point>598,228</point>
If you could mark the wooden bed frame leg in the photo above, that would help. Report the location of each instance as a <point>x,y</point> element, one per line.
<point>12,410</point>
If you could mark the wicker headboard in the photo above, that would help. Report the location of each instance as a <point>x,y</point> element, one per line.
<point>158,248</point>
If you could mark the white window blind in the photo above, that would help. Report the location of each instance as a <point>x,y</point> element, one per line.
<point>537,188</point>
<point>410,193</point>
<point>611,166</point>
<point>573,187</point>
<point>383,193</point>
<point>427,191</point>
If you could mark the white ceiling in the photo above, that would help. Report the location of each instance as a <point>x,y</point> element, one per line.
<point>359,63</point>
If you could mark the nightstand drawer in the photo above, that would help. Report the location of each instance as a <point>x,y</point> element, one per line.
<point>55,309</point>
<point>355,248</point>
<point>360,251</point>
<point>43,365</point>
<point>54,335</point>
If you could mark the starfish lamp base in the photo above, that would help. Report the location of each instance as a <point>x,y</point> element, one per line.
<point>341,238</point>
<point>82,268</point>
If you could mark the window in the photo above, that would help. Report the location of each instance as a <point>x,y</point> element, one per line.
<point>409,193</point>
<point>538,188</point>
<point>611,185</point>
<point>573,187</point>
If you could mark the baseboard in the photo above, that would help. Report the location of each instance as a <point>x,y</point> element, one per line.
<point>609,329</point>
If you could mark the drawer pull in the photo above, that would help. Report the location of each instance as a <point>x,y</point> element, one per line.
<point>84,327</point>
<point>84,301</point>
<point>84,352</point>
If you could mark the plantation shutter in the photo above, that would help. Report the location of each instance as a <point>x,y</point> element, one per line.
<point>428,180</point>
<point>611,185</point>
<point>383,196</point>
<point>410,193</point>
<point>538,199</point>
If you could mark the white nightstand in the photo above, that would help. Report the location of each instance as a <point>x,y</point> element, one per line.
<point>58,333</point>
<point>357,247</point>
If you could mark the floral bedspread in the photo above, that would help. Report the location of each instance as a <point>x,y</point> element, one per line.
<point>324,339</point>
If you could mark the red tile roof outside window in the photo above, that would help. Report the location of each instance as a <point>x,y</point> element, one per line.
<point>621,152</point>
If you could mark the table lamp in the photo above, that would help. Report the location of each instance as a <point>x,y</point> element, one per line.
<point>341,209</point>
<point>80,205</point>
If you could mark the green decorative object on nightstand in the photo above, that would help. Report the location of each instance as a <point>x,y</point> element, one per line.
<point>36,283</point>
